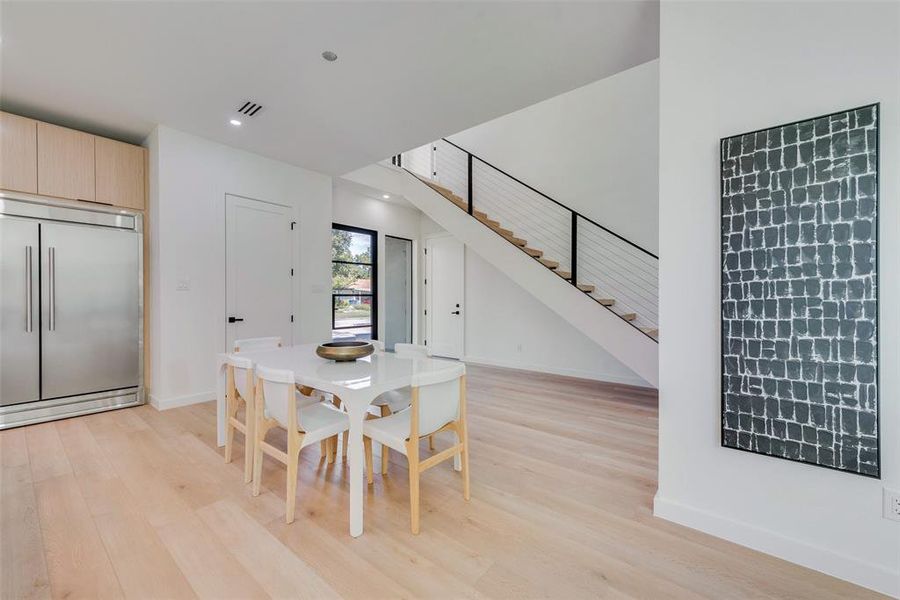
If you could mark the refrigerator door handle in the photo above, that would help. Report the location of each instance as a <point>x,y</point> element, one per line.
<point>52,290</point>
<point>29,321</point>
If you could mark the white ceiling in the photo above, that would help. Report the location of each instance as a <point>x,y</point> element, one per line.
<point>407,73</point>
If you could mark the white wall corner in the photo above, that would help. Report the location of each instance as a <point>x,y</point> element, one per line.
<point>540,368</point>
<point>179,401</point>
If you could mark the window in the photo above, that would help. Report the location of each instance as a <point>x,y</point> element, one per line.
<point>354,305</point>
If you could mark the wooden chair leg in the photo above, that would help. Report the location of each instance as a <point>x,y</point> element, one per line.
<point>464,440</point>
<point>249,437</point>
<point>345,438</point>
<point>332,442</point>
<point>229,440</point>
<point>431,442</point>
<point>259,435</point>
<point>293,460</point>
<point>413,456</point>
<point>229,429</point>
<point>367,444</point>
<point>323,448</point>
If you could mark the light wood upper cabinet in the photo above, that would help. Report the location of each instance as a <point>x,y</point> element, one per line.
<point>65,162</point>
<point>119,173</point>
<point>18,153</point>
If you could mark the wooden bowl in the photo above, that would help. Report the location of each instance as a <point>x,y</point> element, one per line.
<point>345,351</point>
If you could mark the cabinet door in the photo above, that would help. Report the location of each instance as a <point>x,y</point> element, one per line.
<point>120,173</point>
<point>18,153</point>
<point>65,162</point>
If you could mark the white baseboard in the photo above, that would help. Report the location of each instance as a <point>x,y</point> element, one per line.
<point>178,401</point>
<point>489,362</point>
<point>796,551</point>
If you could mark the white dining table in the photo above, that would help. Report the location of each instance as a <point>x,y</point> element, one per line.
<point>356,383</point>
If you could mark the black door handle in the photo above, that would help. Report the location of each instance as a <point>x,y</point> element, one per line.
<point>455,312</point>
<point>234,319</point>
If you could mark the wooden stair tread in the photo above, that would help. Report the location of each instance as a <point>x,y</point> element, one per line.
<point>501,231</point>
<point>564,274</point>
<point>651,331</point>
<point>629,316</point>
<point>533,252</point>
<point>605,301</point>
<point>438,187</point>
<point>489,222</point>
<point>550,264</point>
<point>586,287</point>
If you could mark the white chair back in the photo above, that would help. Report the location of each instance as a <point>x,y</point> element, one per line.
<point>439,396</point>
<point>411,350</point>
<point>379,345</point>
<point>260,343</point>
<point>277,393</point>
<point>243,374</point>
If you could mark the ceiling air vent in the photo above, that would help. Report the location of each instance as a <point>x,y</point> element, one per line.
<point>250,108</point>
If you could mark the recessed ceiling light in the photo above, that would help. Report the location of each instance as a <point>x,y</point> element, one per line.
<point>329,56</point>
<point>386,196</point>
<point>235,122</point>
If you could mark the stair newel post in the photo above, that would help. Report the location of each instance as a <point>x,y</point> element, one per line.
<point>574,248</point>
<point>469,179</point>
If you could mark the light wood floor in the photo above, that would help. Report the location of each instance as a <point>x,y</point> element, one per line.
<point>139,503</point>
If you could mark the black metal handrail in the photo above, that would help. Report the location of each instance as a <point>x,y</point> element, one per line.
<point>469,207</point>
<point>575,214</point>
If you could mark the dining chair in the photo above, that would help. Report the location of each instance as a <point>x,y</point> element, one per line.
<point>239,392</point>
<point>394,401</point>
<point>270,343</point>
<point>307,423</point>
<point>438,403</point>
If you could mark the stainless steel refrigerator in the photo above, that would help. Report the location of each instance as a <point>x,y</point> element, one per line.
<point>71,309</point>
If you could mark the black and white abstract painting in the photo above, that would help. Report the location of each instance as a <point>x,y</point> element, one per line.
<point>800,291</point>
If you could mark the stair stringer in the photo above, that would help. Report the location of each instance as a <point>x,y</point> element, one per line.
<point>629,345</point>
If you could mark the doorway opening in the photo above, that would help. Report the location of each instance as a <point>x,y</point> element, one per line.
<point>354,283</point>
<point>398,290</point>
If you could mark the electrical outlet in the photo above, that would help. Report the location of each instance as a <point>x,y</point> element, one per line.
<point>183,285</point>
<point>892,504</point>
<point>519,347</point>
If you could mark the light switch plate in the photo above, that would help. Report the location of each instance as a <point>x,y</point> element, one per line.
<point>892,504</point>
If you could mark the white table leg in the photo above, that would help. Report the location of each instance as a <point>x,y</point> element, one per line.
<point>356,461</point>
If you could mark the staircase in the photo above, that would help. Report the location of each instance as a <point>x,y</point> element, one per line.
<point>522,244</point>
<point>601,283</point>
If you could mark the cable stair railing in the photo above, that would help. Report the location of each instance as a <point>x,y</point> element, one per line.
<point>616,273</point>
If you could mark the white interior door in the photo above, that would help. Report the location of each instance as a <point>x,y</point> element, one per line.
<point>259,263</point>
<point>444,292</point>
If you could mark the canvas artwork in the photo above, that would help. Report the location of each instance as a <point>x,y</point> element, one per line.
<point>800,291</point>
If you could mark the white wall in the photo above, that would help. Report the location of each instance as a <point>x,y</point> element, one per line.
<point>727,68</point>
<point>508,327</point>
<point>594,149</point>
<point>189,177</point>
<point>350,207</point>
